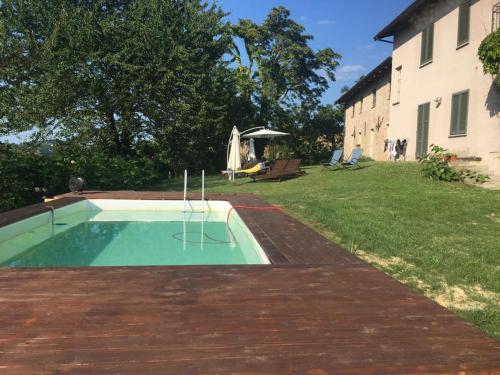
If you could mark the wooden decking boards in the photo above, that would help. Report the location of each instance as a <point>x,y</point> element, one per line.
<point>318,310</point>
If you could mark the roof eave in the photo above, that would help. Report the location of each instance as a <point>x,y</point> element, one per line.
<point>352,92</point>
<point>400,20</point>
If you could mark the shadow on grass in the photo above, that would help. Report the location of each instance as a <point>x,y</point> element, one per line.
<point>194,183</point>
<point>347,168</point>
<point>216,180</point>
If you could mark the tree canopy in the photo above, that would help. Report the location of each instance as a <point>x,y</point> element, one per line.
<point>115,73</point>
<point>154,79</point>
<point>282,70</point>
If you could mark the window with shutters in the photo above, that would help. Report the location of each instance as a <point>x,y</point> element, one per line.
<point>459,113</point>
<point>422,129</point>
<point>463,23</point>
<point>427,45</point>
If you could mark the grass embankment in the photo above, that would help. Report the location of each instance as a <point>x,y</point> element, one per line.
<point>441,239</point>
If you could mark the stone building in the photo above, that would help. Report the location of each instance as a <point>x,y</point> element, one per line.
<point>367,106</point>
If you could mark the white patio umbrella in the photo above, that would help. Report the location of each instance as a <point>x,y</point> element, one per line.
<point>267,134</point>
<point>234,159</point>
<point>251,149</point>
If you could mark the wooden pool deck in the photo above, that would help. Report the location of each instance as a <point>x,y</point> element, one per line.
<point>317,310</point>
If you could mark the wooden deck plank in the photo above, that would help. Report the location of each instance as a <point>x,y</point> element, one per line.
<point>230,320</point>
<point>318,310</point>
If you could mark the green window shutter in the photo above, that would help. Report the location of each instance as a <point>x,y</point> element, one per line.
<point>463,23</point>
<point>454,114</point>
<point>427,44</point>
<point>423,47</point>
<point>425,124</point>
<point>422,129</point>
<point>430,42</point>
<point>419,132</point>
<point>464,111</point>
<point>459,113</point>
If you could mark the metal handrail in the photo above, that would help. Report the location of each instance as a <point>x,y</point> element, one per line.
<point>203,192</point>
<point>52,210</point>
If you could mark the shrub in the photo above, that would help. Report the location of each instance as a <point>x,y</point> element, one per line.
<point>309,151</point>
<point>489,54</point>
<point>436,166</point>
<point>28,175</point>
<point>117,172</point>
<point>366,158</point>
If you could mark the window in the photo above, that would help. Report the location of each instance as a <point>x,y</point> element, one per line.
<point>374,98</point>
<point>459,113</point>
<point>427,45</point>
<point>463,23</point>
<point>353,108</point>
<point>399,71</point>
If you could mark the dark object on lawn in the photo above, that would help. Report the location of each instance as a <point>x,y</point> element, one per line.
<point>282,169</point>
<point>76,184</point>
<point>354,160</point>
<point>334,161</point>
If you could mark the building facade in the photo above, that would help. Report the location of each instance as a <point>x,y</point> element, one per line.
<point>439,93</point>
<point>367,106</point>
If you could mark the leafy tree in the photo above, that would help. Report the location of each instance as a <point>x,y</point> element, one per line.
<point>327,122</point>
<point>282,71</point>
<point>115,73</point>
<point>344,89</point>
<point>314,135</point>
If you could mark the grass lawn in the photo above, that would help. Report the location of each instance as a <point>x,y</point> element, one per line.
<point>441,239</point>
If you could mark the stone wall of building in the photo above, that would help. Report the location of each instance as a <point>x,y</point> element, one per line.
<point>367,120</point>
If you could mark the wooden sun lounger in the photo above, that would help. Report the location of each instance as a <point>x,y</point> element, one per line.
<point>282,169</point>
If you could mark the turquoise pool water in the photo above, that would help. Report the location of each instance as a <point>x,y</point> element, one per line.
<point>132,238</point>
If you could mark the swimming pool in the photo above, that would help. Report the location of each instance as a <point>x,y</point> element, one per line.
<point>108,232</point>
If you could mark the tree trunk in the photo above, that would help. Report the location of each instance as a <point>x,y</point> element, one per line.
<point>114,133</point>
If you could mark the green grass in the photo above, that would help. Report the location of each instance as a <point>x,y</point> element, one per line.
<point>441,239</point>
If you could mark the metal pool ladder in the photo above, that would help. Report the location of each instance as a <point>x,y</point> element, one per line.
<point>202,190</point>
<point>52,209</point>
<point>202,210</point>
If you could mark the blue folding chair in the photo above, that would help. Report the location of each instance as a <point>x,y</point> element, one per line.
<point>353,161</point>
<point>334,161</point>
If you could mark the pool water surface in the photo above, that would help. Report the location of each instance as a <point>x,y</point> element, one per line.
<point>106,236</point>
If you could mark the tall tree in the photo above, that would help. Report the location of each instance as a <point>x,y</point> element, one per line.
<point>282,70</point>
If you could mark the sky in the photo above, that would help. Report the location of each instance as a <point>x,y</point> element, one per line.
<point>346,26</point>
